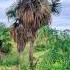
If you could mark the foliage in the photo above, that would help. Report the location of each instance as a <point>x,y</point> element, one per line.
<point>11,13</point>
<point>56,47</point>
<point>55,7</point>
<point>10,60</point>
<point>5,39</point>
<point>52,49</point>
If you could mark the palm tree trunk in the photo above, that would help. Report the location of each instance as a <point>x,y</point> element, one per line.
<point>0,54</point>
<point>31,56</point>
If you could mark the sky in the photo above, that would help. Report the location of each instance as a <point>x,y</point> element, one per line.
<point>59,22</point>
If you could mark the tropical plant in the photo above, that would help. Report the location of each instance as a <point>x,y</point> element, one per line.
<point>32,15</point>
<point>5,40</point>
<point>54,6</point>
<point>55,48</point>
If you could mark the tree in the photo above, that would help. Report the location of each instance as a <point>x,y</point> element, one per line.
<point>30,15</point>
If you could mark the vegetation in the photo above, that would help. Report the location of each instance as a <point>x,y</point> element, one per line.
<point>45,48</point>
<point>51,52</point>
<point>56,47</point>
<point>5,39</point>
<point>30,15</point>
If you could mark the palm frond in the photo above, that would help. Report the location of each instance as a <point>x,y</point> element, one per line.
<point>55,6</point>
<point>11,12</point>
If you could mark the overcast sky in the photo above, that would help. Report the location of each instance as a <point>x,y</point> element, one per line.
<point>60,22</point>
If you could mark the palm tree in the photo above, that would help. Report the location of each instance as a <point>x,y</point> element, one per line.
<point>32,13</point>
<point>30,16</point>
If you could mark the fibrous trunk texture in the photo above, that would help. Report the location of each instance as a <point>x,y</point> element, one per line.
<point>32,15</point>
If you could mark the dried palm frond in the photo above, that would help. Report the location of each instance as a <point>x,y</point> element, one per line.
<point>32,15</point>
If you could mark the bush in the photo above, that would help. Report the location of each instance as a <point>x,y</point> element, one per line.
<point>5,39</point>
<point>10,60</point>
<point>57,50</point>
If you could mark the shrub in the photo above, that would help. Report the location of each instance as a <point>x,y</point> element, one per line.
<point>57,47</point>
<point>5,39</point>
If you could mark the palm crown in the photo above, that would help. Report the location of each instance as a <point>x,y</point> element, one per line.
<point>11,13</point>
<point>30,16</point>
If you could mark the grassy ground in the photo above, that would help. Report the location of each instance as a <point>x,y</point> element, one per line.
<point>13,60</point>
